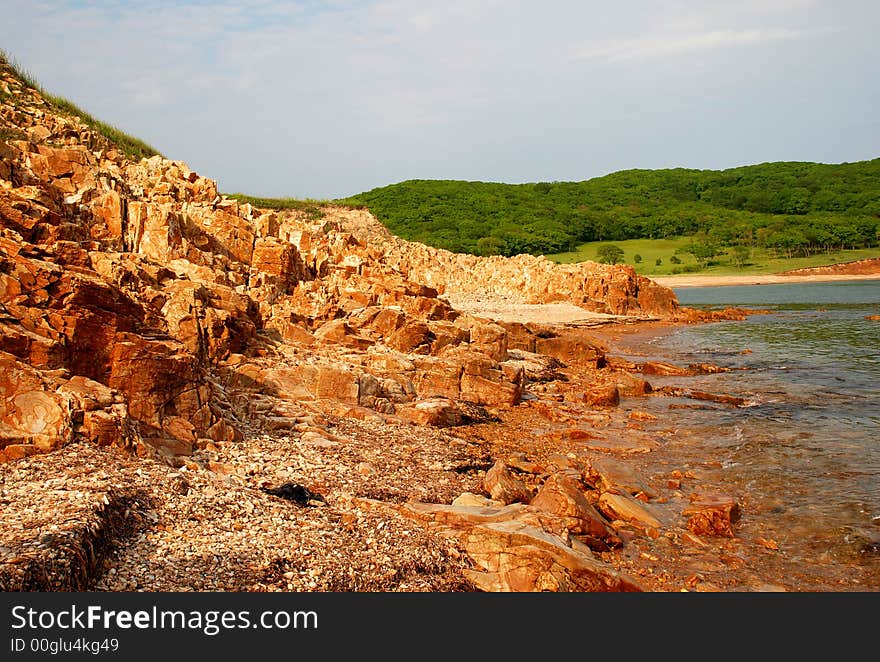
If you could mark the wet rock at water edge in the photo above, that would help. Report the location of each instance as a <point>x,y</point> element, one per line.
<point>602,396</point>
<point>712,515</point>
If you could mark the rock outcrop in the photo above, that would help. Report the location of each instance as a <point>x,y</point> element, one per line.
<point>140,283</point>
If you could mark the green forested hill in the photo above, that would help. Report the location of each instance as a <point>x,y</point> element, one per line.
<point>790,207</point>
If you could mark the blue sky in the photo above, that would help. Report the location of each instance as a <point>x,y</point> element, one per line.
<point>327,99</point>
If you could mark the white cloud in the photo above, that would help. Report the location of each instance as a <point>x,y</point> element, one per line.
<point>662,45</point>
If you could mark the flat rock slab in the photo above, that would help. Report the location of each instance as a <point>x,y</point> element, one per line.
<point>514,556</point>
<point>606,474</point>
<point>458,516</point>
<point>624,507</point>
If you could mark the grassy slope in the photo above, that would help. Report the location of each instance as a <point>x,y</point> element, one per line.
<point>133,148</point>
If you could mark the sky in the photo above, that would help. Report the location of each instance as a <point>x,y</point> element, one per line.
<point>327,99</point>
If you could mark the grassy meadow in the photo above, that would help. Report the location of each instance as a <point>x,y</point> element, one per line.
<point>761,260</point>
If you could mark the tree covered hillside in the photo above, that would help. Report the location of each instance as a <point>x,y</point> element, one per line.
<point>793,208</point>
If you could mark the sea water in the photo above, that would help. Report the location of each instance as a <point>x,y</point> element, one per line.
<point>804,452</point>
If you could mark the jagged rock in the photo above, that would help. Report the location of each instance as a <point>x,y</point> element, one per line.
<point>502,486</point>
<point>159,379</point>
<point>415,338</point>
<point>140,278</point>
<point>438,378</point>
<point>277,263</point>
<point>535,367</point>
<point>340,333</point>
<point>712,515</point>
<point>489,338</point>
<point>336,383</point>
<point>562,495</point>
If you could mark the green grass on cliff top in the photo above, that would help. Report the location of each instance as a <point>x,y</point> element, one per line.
<point>133,148</point>
<point>312,208</point>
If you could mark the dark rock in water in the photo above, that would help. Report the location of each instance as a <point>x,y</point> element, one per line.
<point>300,495</point>
<point>867,542</point>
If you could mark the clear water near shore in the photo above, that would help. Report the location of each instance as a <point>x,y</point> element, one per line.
<point>804,453</point>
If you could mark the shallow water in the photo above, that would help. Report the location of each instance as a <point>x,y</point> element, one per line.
<point>805,451</point>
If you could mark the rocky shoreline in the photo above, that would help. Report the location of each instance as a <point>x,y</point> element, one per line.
<point>200,395</point>
<point>542,496</point>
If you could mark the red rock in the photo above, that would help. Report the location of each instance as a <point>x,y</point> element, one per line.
<point>624,507</point>
<point>571,348</point>
<point>717,397</point>
<point>563,495</point>
<point>31,414</point>
<point>664,369</point>
<point>501,485</point>
<point>437,412</point>
<point>340,333</point>
<point>158,378</point>
<point>488,391</point>
<point>278,263</point>
<point>712,515</point>
<point>436,378</point>
<point>337,384</point>
<point>602,396</point>
<point>610,475</point>
<point>630,386</point>
<point>514,556</point>
<point>491,339</point>
<point>415,338</point>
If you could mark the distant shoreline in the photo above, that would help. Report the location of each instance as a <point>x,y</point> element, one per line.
<point>756,279</point>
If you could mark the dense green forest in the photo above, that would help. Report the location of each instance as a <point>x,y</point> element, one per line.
<point>790,208</point>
